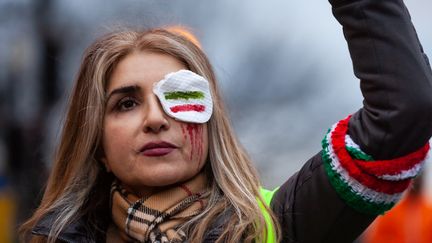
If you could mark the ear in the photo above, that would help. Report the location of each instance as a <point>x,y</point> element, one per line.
<point>104,161</point>
<point>100,155</point>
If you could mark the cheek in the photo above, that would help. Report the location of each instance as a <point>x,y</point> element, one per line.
<point>196,136</point>
<point>117,139</point>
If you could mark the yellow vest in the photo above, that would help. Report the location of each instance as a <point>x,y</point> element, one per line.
<point>267,196</point>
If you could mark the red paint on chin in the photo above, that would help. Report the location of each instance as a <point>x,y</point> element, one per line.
<point>156,152</point>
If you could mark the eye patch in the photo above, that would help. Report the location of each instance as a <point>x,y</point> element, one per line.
<point>185,96</point>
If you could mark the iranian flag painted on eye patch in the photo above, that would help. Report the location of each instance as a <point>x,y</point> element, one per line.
<point>185,96</point>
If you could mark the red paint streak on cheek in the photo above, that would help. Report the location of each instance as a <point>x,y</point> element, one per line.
<point>200,143</point>
<point>184,131</point>
<point>191,128</point>
<point>195,132</point>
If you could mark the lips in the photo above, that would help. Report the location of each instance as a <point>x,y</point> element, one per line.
<point>156,149</point>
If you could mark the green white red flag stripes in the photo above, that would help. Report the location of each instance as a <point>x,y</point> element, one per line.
<point>369,186</point>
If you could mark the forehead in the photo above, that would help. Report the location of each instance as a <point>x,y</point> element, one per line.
<point>143,69</point>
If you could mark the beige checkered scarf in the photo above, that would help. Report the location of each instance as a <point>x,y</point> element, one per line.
<point>157,218</point>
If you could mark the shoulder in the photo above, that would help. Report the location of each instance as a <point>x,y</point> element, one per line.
<point>80,230</point>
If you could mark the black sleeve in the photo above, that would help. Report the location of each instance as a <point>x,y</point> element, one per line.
<point>310,210</point>
<point>396,118</point>
<point>396,79</point>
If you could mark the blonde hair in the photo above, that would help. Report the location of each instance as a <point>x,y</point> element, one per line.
<point>77,173</point>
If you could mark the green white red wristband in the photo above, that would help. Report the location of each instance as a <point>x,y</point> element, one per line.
<point>367,185</point>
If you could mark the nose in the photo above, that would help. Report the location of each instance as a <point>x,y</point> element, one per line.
<point>155,119</point>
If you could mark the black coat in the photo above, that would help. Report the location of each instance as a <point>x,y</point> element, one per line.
<point>396,119</point>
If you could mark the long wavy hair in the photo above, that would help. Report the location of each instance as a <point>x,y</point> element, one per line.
<point>79,186</point>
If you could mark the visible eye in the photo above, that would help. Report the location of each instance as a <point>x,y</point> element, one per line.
<point>126,104</point>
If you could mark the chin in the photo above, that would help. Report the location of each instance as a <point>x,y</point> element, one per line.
<point>167,180</point>
<point>165,177</point>
<point>169,173</point>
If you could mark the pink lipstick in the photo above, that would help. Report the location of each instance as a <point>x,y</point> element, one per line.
<point>156,149</point>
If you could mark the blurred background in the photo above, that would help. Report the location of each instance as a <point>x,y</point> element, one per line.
<point>283,66</point>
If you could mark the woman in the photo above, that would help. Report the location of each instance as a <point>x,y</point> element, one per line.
<point>147,153</point>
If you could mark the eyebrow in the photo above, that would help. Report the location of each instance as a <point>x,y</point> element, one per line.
<point>124,90</point>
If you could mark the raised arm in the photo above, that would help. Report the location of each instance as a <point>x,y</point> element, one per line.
<point>339,192</point>
<point>396,79</point>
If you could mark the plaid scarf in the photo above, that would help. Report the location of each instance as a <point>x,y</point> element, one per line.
<point>157,218</point>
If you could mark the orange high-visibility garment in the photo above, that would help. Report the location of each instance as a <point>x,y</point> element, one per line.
<point>410,221</point>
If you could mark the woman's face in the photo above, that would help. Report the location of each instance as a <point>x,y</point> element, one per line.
<point>143,146</point>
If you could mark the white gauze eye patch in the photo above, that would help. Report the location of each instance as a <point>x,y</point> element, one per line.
<point>185,96</point>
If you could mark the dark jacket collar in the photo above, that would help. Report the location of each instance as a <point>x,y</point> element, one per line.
<point>78,231</point>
